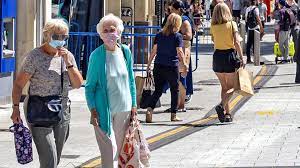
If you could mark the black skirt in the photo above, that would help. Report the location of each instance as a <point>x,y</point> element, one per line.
<point>224,61</point>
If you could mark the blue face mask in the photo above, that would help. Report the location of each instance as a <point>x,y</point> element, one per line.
<point>57,43</point>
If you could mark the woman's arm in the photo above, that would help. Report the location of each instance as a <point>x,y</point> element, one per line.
<point>91,82</point>
<point>19,84</point>
<point>238,47</point>
<point>186,30</point>
<point>152,56</point>
<point>74,74</point>
<point>131,79</point>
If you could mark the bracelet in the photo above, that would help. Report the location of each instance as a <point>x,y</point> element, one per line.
<point>15,105</point>
<point>70,66</point>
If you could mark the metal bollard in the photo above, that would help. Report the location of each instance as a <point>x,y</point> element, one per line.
<point>243,35</point>
<point>256,49</point>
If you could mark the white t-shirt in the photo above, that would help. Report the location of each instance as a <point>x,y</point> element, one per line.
<point>236,5</point>
<point>256,11</point>
<point>262,10</point>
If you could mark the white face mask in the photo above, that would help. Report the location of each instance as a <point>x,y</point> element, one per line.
<point>110,39</point>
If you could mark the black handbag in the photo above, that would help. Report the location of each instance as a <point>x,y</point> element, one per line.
<point>46,111</point>
<point>148,90</point>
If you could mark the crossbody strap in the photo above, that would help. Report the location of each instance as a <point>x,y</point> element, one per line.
<point>61,77</point>
<point>233,36</point>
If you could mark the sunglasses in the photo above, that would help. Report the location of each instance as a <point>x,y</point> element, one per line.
<point>62,37</point>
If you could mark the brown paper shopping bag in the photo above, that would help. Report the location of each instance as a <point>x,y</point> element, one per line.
<point>243,84</point>
<point>139,82</point>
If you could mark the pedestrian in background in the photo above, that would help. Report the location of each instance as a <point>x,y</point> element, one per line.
<point>253,23</point>
<point>262,7</point>
<point>226,41</point>
<point>276,17</point>
<point>236,10</point>
<point>44,67</point>
<point>293,6</point>
<point>207,9</point>
<point>167,51</point>
<point>110,90</point>
<point>284,30</point>
<point>187,34</point>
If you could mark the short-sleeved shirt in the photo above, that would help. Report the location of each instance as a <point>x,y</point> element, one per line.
<point>46,73</point>
<point>223,35</point>
<point>262,10</point>
<point>236,5</point>
<point>166,49</point>
<point>117,82</point>
<point>256,12</point>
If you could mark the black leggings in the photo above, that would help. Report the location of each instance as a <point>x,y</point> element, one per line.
<point>163,74</point>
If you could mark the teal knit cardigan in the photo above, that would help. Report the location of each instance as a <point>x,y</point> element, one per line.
<point>96,85</point>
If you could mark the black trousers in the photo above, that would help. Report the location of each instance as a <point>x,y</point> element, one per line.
<point>297,78</point>
<point>250,43</point>
<point>163,74</point>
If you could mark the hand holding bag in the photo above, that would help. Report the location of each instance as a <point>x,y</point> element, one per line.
<point>46,111</point>
<point>148,90</point>
<point>134,152</point>
<point>23,143</point>
<point>237,61</point>
<point>243,84</point>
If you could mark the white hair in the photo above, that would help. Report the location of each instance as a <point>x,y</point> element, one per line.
<point>52,26</point>
<point>110,18</point>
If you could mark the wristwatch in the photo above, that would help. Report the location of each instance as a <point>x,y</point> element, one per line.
<point>70,66</point>
<point>15,105</point>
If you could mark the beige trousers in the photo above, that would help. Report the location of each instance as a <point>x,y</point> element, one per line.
<point>110,147</point>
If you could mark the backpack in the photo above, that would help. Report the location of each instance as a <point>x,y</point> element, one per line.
<point>288,19</point>
<point>251,19</point>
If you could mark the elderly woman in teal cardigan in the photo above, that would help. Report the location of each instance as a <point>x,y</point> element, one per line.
<point>110,90</point>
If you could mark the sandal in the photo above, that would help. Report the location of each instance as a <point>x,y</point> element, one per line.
<point>220,111</point>
<point>228,118</point>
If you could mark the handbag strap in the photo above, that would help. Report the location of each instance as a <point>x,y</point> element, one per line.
<point>233,36</point>
<point>61,77</point>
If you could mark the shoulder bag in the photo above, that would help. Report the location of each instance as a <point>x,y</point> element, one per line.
<point>237,61</point>
<point>46,111</point>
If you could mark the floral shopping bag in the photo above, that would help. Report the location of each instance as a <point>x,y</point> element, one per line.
<point>23,143</point>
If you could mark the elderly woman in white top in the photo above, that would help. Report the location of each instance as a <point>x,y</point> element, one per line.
<point>46,67</point>
<point>110,90</point>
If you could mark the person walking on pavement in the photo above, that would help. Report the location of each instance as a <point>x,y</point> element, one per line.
<point>262,7</point>
<point>207,9</point>
<point>178,7</point>
<point>167,51</point>
<point>236,10</point>
<point>293,6</point>
<point>253,23</point>
<point>226,41</point>
<point>276,17</point>
<point>285,23</point>
<point>110,90</point>
<point>50,69</point>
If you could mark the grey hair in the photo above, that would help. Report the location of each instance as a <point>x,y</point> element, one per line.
<point>52,26</point>
<point>110,18</point>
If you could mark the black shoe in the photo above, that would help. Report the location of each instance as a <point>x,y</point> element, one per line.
<point>249,62</point>
<point>188,99</point>
<point>220,111</point>
<point>228,118</point>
